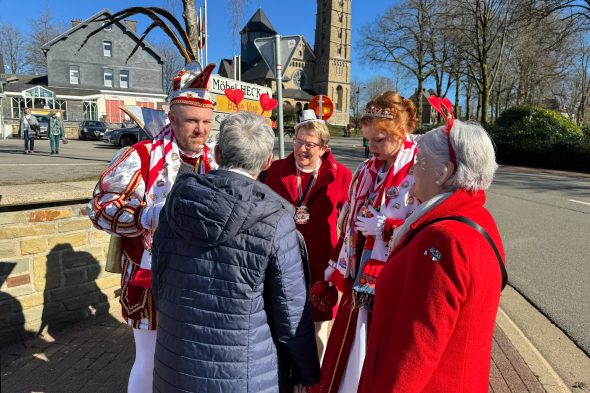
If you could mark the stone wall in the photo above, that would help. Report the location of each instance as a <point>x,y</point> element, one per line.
<point>51,270</point>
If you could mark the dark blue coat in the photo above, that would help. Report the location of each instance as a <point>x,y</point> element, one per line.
<point>230,290</point>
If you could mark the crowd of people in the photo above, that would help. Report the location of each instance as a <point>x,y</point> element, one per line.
<point>241,273</point>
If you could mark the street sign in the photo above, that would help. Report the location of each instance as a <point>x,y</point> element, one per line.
<point>322,104</point>
<point>266,47</point>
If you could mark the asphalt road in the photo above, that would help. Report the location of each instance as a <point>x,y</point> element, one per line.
<point>544,219</point>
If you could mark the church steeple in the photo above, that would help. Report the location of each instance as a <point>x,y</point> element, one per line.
<point>258,26</point>
<point>332,50</point>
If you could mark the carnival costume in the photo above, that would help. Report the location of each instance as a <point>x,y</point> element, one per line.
<point>359,260</point>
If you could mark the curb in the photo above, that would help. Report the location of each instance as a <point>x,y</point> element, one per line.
<point>548,377</point>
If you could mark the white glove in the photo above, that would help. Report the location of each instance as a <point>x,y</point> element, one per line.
<point>370,226</point>
<point>328,272</point>
<point>150,216</point>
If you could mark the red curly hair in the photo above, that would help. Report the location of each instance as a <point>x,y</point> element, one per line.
<point>403,110</point>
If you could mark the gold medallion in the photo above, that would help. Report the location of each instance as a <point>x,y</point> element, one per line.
<point>301,215</point>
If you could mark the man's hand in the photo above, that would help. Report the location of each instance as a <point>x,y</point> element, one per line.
<point>150,216</point>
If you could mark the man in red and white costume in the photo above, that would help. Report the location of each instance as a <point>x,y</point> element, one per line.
<point>131,193</point>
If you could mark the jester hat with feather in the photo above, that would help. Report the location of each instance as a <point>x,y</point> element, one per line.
<point>190,86</point>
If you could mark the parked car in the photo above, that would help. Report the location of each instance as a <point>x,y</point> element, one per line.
<point>91,129</point>
<point>125,136</point>
<point>43,124</point>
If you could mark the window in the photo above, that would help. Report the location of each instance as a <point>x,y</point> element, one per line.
<point>107,48</point>
<point>74,75</point>
<point>18,107</point>
<point>90,108</point>
<point>62,105</point>
<point>339,98</point>
<point>124,79</point>
<point>108,78</point>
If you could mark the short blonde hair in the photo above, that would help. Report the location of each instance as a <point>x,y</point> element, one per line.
<point>320,129</point>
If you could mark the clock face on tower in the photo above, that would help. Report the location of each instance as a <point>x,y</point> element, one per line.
<point>299,78</point>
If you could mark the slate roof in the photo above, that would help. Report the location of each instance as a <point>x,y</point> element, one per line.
<point>25,82</point>
<point>260,23</point>
<point>65,34</point>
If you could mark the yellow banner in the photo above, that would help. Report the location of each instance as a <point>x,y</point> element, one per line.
<point>225,105</point>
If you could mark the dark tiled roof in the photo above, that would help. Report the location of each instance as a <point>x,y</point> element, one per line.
<point>226,68</point>
<point>260,23</point>
<point>47,46</point>
<point>257,72</point>
<point>297,94</point>
<point>25,82</point>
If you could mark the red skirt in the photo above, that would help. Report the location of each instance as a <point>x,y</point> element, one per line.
<point>137,302</point>
<point>339,345</point>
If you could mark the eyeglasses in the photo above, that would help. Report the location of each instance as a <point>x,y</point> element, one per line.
<point>308,145</point>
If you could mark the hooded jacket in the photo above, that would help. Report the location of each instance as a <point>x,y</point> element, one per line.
<point>229,284</point>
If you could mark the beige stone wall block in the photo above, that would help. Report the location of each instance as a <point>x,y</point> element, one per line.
<point>47,272</point>
<point>76,224</point>
<point>17,291</point>
<point>49,214</point>
<point>70,239</point>
<point>97,251</point>
<point>13,218</point>
<point>33,246</point>
<point>98,237</point>
<point>33,314</point>
<point>7,249</point>
<point>112,280</point>
<point>19,230</point>
<point>22,266</point>
<point>33,300</point>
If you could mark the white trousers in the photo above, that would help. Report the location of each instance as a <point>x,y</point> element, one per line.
<point>142,373</point>
<point>354,366</point>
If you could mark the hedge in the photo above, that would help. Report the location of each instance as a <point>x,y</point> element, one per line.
<point>532,136</point>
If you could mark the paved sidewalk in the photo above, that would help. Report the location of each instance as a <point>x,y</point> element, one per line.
<point>96,356</point>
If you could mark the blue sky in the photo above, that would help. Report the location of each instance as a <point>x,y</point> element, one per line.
<point>295,17</point>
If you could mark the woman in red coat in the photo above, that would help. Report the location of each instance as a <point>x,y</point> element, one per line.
<point>437,296</point>
<point>379,202</point>
<point>317,185</point>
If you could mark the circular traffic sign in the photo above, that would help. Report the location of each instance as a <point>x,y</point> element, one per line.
<point>327,107</point>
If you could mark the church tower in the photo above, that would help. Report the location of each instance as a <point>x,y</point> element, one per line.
<point>332,51</point>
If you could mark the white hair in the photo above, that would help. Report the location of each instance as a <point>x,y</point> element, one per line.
<point>474,151</point>
<point>245,142</point>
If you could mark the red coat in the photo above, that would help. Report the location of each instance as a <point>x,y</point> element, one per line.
<point>435,306</point>
<point>326,198</point>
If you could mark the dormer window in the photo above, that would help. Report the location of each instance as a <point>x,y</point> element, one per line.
<point>107,48</point>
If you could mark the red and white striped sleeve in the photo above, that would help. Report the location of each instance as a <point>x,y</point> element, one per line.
<point>118,199</point>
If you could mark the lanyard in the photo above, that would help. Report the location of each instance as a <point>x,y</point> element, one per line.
<point>303,196</point>
<point>381,196</point>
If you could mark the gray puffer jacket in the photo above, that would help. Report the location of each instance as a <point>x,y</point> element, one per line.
<point>230,289</point>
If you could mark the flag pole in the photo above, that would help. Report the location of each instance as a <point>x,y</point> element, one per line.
<point>206,38</point>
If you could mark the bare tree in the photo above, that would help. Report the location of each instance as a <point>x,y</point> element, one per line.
<point>173,62</point>
<point>355,100</point>
<point>400,36</point>
<point>13,48</point>
<point>43,30</point>
<point>377,85</point>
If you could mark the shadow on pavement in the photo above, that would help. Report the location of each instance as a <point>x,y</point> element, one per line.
<point>67,355</point>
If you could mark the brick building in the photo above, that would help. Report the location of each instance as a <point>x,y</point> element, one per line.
<point>323,69</point>
<point>89,82</point>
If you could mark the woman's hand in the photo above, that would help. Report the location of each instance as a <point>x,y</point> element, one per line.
<point>370,226</point>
